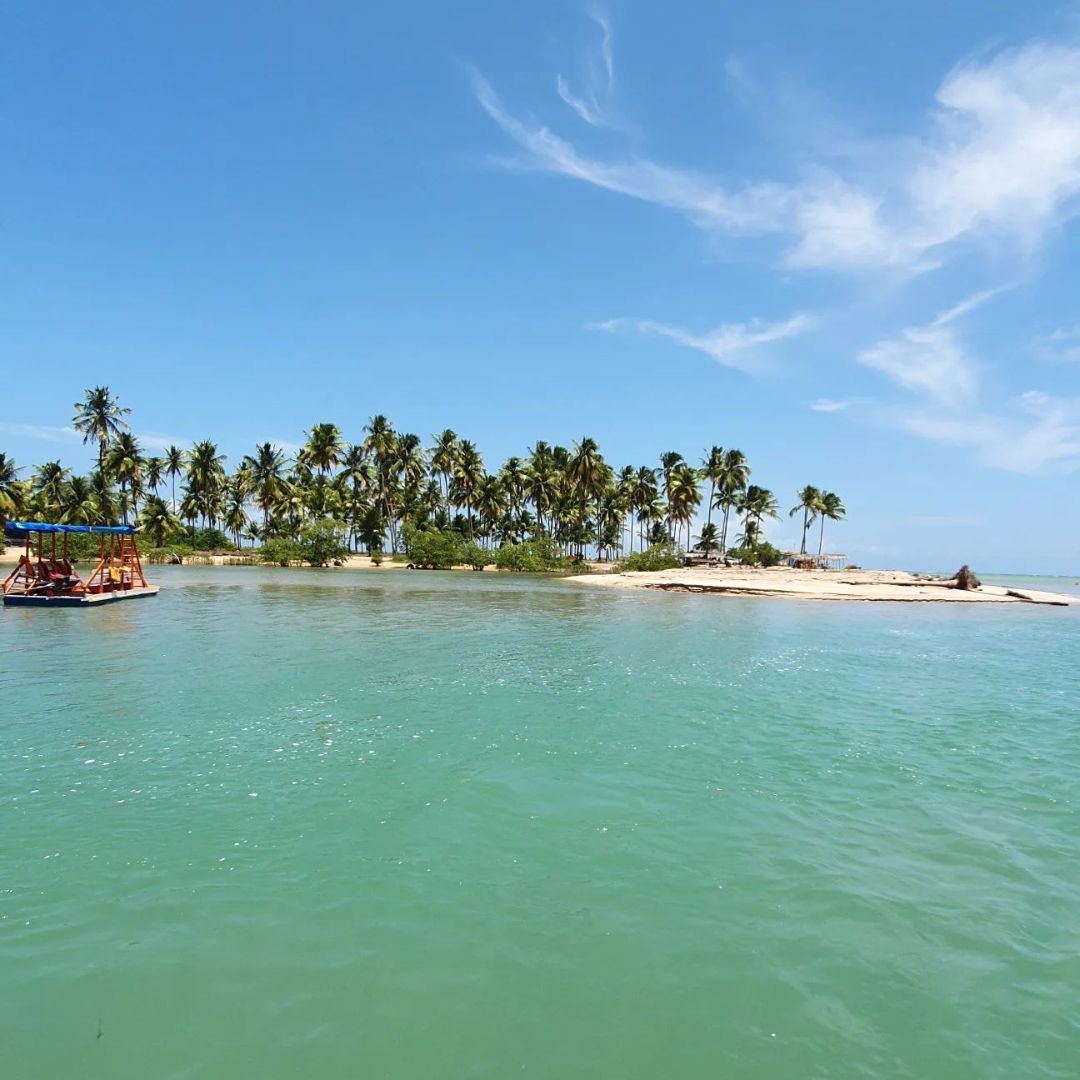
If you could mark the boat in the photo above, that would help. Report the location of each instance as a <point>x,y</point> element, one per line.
<point>45,576</point>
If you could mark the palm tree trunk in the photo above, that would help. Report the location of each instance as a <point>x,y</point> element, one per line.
<point>821,535</point>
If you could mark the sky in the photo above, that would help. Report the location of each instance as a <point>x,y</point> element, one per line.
<point>840,236</point>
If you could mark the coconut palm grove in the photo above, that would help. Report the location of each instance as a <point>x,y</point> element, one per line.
<point>389,491</point>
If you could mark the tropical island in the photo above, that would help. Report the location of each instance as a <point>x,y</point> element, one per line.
<point>386,499</point>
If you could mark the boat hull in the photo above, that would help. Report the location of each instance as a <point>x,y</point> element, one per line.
<point>84,601</point>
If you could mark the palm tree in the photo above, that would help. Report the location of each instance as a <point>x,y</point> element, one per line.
<point>756,503</point>
<point>644,495</point>
<point>236,518</point>
<point>829,507</point>
<point>189,509</point>
<point>489,502</point>
<point>668,462</point>
<point>205,480</point>
<point>12,491</point>
<point>443,455</point>
<point>174,467</point>
<point>49,482</point>
<point>324,448</point>
<point>541,483</point>
<point>124,461</point>
<point>468,474</point>
<point>512,476</point>
<point>266,469</point>
<point>809,501</point>
<point>712,468</point>
<point>709,538</point>
<point>158,521</point>
<point>683,497</point>
<point>104,498</point>
<point>100,419</point>
<point>731,481</point>
<point>153,470</point>
<point>586,472</point>
<point>381,443</point>
<point>624,485</point>
<point>78,503</point>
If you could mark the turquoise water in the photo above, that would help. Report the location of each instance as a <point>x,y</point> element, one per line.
<point>284,824</point>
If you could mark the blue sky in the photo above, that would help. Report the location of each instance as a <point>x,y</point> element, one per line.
<point>840,236</point>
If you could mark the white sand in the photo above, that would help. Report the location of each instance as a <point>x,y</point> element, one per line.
<point>881,585</point>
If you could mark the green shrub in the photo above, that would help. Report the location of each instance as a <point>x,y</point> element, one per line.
<point>320,542</point>
<point>435,549</point>
<point>760,554</point>
<point>84,547</point>
<point>658,557</point>
<point>539,556</point>
<point>475,556</point>
<point>281,552</point>
<point>206,540</point>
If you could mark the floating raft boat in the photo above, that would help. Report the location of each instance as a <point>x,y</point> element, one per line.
<point>46,577</point>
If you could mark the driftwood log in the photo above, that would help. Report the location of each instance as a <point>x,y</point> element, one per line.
<point>965,578</point>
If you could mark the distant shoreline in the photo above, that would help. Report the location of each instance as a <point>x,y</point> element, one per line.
<point>894,586</point>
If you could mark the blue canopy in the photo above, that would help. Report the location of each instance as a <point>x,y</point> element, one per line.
<point>18,530</point>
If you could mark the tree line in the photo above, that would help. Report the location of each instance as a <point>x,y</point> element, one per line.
<point>388,486</point>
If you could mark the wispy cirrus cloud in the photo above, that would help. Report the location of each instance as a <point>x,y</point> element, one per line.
<point>735,345</point>
<point>930,359</point>
<point>832,405</point>
<point>40,432</point>
<point>1034,433</point>
<point>933,359</point>
<point>749,211</point>
<point>1062,346</point>
<point>1030,433</point>
<point>1000,155</point>
<point>597,77</point>
<point>291,448</point>
<point>151,441</point>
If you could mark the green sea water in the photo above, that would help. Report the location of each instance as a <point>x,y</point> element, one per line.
<point>286,824</point>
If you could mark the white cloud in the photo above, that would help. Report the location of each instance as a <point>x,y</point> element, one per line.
<point>749,211</point>
<point>969,304</point>
<point>149,441</point>
<point>1001,155</point>
<point>1060,347</point>
<point>157,443</point>
<point>830,405</point>
<point>1036,433</point>
<point>589,111</point>
<point>732,344</point>
<point>291,448</point>
<point>1006,151</point>
<point>932,359</point>
<point>607,52</point>
<point>598,77</point>
<point>42,432</point>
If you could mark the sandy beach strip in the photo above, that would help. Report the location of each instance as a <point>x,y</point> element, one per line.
<point>778,582</point>
<point>783,582</point>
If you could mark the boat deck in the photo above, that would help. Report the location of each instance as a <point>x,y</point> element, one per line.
<point>82,600</point>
